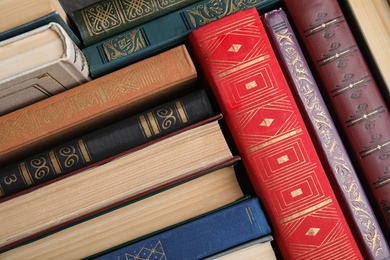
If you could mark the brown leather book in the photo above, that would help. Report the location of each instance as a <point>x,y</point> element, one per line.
<point>351,93</point>
<point>96,103</point>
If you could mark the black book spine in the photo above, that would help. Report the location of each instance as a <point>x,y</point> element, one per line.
<point>105,142</point>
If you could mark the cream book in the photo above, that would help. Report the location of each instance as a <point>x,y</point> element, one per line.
<point>127,177</point>
<point>19,12</point>
<point>39,64</point>
<point>183,202</point>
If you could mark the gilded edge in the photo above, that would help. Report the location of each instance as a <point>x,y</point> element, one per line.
<point>306,84</point>
<point>202,14</point>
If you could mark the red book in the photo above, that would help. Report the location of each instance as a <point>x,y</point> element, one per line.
<point>351,91</point>
<point>262,116</point>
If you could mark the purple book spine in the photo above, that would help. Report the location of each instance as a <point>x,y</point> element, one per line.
<point>333,154</point>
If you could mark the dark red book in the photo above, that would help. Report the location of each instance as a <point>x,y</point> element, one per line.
<point>351,93</point>
<point>240,66</point>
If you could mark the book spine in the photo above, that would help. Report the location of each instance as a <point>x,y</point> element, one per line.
<point>272,138</point>
<point>107,18</point>
<point>352,93</point>
<point>150,38</point>
<point>96,103</point>
<point>201,237</point>
<point>330,147</point>
<point>105,142</point>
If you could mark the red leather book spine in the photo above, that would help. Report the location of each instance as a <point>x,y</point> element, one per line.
<point>351,92</point>
<point>243,72</point>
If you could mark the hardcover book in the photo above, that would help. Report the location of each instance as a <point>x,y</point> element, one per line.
<point>161,33</point>
<point>107,18</point>
<point>15,13</point>
<point>243,72</point>
<point>353,95</point>
<point>102,101</point>
<point>128,176</point>
<point>53,17</point>
<point>132,220</point>
<point>260,248</point>
<point>371,21</point>
<point>201,237</point>
<point>334,157</point>
<point>105,142</point>
<point>39,64</point>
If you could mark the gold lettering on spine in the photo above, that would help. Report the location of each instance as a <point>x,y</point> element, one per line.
<point>54,162</point>
<point>153,123</point>
<point>84,151</point>
<point>182,113</point>
<point>306,211</point>
<point>145,126</point>
<point>25,173</point>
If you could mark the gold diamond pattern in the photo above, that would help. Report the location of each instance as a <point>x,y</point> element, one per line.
<point>312,232</point>
<point>267,122</point>
<point>235,48</point>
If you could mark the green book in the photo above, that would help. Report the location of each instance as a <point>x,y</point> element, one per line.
<point>162,33</point>
<point>106,18</point>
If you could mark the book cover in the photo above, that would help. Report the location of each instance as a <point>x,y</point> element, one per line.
<point>259,248</point>
<point>107,18</point>
<point>15,13</point>
<point>202,237</point>
<point>105,142</point>
<point>53,17</point>
<point>334,157</point>
<point>39,64</point>
<point>243,72</point>
<point>129,176</point>
<point>102,101</point>
<point>352,93</point>
<point>202,193</point>
<point>161,33</point>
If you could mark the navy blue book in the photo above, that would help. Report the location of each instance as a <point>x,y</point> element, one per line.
<point>105,142</point>
<point>201,237</point>
<point>46,19</point>
<point>162,33</point>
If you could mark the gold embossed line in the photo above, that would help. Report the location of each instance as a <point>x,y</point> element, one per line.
<point>374,149</point>
<point>306,211</point>
<point>149,125</point>
<point>368,115</point>
<point>181,111</point>
<point>337,55</point>
<point>382,182</point>
<point>26,175</point>
<point>345,88</point>
<point>276,140</point>
<point>325,25</point>
<point>84,151</point>
<point>250,215</point>
<point>243,66</point>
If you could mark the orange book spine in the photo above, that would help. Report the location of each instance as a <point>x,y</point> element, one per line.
<point>280,158</point>
<point>96,103</point>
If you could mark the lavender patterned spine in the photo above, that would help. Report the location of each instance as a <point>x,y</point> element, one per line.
<point>333,154</point>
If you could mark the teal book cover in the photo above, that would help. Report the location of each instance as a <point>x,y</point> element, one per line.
<point>162,33</point>
<point>201,237</point>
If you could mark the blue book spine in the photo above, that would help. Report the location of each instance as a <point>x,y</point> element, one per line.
<point>201,237</point>
<point>162,33</point>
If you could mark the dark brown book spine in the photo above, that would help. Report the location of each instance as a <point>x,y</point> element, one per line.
<point>351,93</point>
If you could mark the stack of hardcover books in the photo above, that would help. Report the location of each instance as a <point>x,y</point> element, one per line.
<point>197,129</point>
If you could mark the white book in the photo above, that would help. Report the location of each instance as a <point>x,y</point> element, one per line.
<point>39,64</point>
